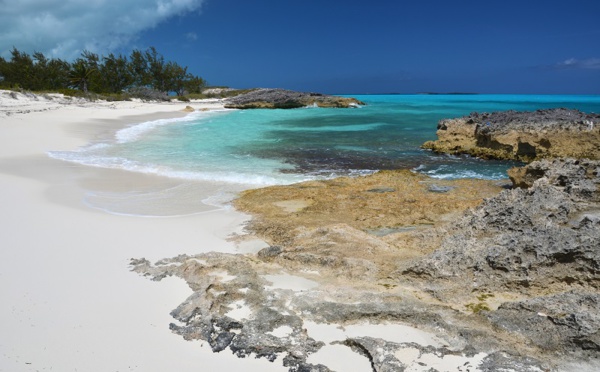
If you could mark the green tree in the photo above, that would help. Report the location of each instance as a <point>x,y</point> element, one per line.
<point>145,70</point>
<point>81,74</point>
<point>175,77</point>
<point>116,75</point>
<point>156,70</point>
<point>39,72</point>
<point>3,68</point>
<point>92,62</point>
<point>194,84</point>
<point>49,74</point>
<point>19,70</point>
<point>57,74</point>
<point>138,68</point>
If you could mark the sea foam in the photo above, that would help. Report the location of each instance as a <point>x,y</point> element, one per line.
<point>134,132</point>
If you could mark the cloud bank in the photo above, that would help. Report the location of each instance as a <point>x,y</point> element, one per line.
<point>572,63</point>
<point>64,28</point>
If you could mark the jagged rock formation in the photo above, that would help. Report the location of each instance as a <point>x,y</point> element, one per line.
<point>547,236</point>
<point>286,99</point>
<point>524,136</point>
<point>511,284</point>
<point>528,258</point>
<point>274,325</point>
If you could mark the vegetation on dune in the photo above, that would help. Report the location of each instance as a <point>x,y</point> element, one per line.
<point>144,74</point>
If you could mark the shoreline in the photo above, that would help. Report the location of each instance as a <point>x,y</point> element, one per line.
<point>70,301</point>
<point>332,265</point>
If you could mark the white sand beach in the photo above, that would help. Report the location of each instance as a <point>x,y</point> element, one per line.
<point>69,301</point>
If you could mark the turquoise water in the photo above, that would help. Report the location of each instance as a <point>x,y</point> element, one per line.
<point>265,147</point>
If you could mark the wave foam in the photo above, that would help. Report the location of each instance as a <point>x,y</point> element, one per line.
<point>134,132</point>
<point>445,172</point>
<point>81,157</point>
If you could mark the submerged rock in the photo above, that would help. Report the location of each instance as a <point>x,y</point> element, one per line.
<point>524,136</point>
<point>286,99</point>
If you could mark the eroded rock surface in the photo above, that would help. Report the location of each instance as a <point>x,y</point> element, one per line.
<point>529,259</point>
<point>286,99</point>
<point>526,136</point>
<point>546,237</point>
<point>237,305</point>
<point>507,284</point>
<point>357,227</point>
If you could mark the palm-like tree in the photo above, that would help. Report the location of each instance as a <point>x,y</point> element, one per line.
<point>80,75</point>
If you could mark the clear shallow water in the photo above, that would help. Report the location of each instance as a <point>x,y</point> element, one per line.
<point>266,147</point>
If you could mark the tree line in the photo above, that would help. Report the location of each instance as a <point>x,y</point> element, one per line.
<point>141,70</point>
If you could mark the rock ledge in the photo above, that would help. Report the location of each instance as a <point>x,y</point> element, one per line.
<point>524,136</point>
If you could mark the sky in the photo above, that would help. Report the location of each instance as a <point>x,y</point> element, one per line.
<point>333,46</point>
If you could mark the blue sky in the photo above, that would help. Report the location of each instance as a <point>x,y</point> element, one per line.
<point>381,46</point>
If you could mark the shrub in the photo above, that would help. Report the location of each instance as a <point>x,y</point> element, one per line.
<point>70,92</point>
<point>148,94</point>
<point>115,97</point>
<point>196,96</point>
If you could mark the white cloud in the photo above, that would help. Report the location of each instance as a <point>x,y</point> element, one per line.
<point>572,63</point>
<point>192,36</point>
<point>64,28</point>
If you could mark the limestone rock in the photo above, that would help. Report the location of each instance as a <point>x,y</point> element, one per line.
<point>274,327</point>
<point>394,357</point>
<point>562,322</point>
<point>579,177</point>
<point>286,99</point>
<point>524,136</point>
<point>528,259</point>
<point>546,237</point>
<point>507,284</point>
<point>188,109</point>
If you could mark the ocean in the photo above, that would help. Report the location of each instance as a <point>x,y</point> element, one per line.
<point>241,149</point>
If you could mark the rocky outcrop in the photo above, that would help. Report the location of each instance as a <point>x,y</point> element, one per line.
<point>287,99</point>
<point>524,136</point>
<point>529,259</point>
<point>237,307</point>
<point>563,323</point>
<point>544,237</point>
<point>351,226</point>
<point>578,177</point>
<point>508,284</point>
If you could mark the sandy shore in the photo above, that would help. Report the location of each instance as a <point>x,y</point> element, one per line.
<point>69,301</point>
